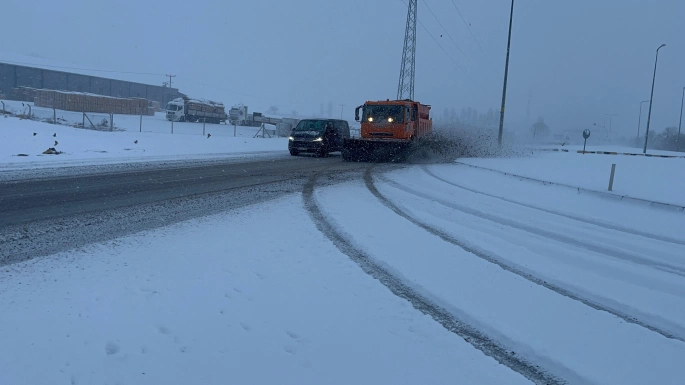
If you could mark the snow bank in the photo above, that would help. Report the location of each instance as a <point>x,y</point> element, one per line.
<point>616,148</point>
<point>20,148</point>
<point>655,179</point>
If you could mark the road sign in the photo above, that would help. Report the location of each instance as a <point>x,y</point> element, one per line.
<point>586,134</point>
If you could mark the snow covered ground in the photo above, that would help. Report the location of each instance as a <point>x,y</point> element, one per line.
<point>155,142</point>
<point>589,288</point>
<point>656,179</point>
<point>222,300</point>
<point>592,297</point>
<point>614,148</point>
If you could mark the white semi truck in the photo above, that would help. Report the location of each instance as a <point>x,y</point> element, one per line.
<point>239,116</point>
<point>195,110</point>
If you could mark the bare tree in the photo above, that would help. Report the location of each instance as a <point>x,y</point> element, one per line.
<point>540,128</point>
<point>667,139</point>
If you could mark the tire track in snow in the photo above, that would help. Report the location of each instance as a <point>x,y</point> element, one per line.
<point>469,333</point>
<point>546,234</point>
<point>511,267</point>
<point>569,216</point>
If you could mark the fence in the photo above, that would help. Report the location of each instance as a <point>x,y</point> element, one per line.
<point>134,123</point>
<point>89,120</point>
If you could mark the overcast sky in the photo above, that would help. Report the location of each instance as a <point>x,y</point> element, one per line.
<point>580,60</point>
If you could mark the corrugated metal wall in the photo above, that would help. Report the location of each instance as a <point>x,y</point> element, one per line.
<point>13,76</point>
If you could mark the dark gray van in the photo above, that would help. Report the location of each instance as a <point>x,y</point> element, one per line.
<point>318,136</point>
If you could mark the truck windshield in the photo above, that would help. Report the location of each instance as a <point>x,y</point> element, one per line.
<point>311,125</point>
<point>380,113</point>
<point>172,107</point>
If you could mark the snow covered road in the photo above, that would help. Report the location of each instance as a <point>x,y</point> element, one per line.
<point>413,274</point>
<point>223,299</point>
<point>43,216</point>
<point>590,304</point>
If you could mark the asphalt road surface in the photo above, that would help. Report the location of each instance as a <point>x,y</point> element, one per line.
<point>41,217</point>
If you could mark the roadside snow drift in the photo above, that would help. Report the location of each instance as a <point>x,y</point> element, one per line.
<point>655,179</point>
<point>22,142</point>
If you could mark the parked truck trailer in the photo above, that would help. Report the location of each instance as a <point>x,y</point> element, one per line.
<point>195,110</point>
<point>239,116</point>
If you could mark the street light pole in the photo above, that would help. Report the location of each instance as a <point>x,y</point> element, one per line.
<point>680,122</point>
<point>506,73</point>
<point>639,118</point>
<point>651,97</point>
<point>610,116</point>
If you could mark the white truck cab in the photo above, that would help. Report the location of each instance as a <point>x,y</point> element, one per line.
<point>174,110</point>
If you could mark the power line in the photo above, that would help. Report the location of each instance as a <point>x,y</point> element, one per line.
<point>443,49</point>
<point>469,28</point>
<point>446,32</point>
<point>82,69</point>
<point>439,45</point>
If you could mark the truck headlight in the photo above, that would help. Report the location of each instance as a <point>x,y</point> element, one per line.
<point>318,140</point>
<point>390,120</point>
<point>291,138</point>
<point>370,118</point>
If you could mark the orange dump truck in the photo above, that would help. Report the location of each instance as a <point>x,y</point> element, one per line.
<point>388,128</point>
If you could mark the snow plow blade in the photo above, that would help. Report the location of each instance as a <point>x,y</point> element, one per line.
<point>369,150</point>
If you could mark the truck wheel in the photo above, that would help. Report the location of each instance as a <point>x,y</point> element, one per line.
<point>182,119</point>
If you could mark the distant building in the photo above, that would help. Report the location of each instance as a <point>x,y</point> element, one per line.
<point>13,76</point>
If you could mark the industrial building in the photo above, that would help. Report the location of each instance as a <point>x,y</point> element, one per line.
<point>13,77</point>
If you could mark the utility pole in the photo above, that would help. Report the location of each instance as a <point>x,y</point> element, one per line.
<point>170,76</point>
<point>680,123</point>
<point>506,74</point>
<point>530,95</point>
<point>341,110</point>
<point>651,97</point>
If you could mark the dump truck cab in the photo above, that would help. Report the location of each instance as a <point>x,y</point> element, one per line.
<point>387,129</point>
<point>399,120</point>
